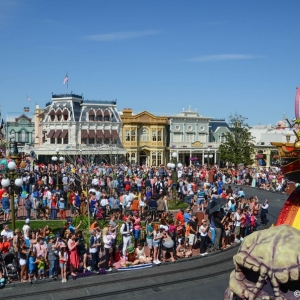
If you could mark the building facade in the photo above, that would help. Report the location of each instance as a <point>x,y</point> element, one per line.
<point>21,129</point>
<point>144,137</point>
<point>189,137</point>
<point>79,126</point>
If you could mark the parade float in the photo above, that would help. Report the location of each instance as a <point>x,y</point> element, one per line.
<point>267,265</point>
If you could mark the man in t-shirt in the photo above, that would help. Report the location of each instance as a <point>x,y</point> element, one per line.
<point>193,231</point>
<point>4,244</point>
<point>7,233</point>
<point>26,232</point>
<point>180,216</point>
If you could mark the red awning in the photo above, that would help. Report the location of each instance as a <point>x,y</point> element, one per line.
<point>64,133</point>
<point>114,134</point>
<point>50,134</point>
<point>107,134</point>
<point>84,134</point>
<point>57,134</point>
<point>92,134</point>
<point>99,134</point>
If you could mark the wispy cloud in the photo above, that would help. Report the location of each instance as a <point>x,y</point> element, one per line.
<point>224,57</point>
<point>118,36</point>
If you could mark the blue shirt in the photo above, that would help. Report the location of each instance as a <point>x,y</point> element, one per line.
<point>187,217</point>
<point>5,203</point>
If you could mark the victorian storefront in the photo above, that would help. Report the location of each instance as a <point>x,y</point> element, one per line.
<point>144,137</point>
<point>79,127</point>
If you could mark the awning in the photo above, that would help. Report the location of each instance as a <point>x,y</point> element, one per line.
<point>114,134</point>
<point>64,133</point>
<point>50,134</point>
<point>92,134</point>
<point>99,134</point>
<point>84,134</point>
<point>57,134</point>
<point>107,134</point>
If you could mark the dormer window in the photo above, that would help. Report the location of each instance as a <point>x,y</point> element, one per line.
<point>91,116</point>
<point>58,115</point>
<point>106,116</point>
<point>52,115</point>
<point>99,116</point>
<point>66,115</point>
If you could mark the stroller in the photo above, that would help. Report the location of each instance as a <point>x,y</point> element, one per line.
<point>9,266</point>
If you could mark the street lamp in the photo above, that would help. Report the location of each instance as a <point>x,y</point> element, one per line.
<point>173,165</point>
<point>208,156</point>
<point>12,178</point>
<point>57,159</point>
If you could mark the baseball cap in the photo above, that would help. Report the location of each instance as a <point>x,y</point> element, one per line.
<point>27,221</point>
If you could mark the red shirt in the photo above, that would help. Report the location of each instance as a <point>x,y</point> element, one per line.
<point>1,193</point>
<point>180,217</point>
<point>4,247</point>
<point>71,198</point>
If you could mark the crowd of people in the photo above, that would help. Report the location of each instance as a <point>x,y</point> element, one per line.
<point>135,203</point>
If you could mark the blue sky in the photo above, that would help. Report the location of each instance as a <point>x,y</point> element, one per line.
<point>220,57</point>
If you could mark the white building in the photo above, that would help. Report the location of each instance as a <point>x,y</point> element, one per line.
<point>78,126</point>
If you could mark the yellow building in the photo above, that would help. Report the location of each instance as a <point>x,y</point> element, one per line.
<point>144,137</point>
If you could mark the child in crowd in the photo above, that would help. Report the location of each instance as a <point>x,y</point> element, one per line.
<point>41,267</point>
<point>32,265</point>
<point>63,260</point>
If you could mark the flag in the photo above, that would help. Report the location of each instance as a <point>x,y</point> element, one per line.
<point>28,98</point>
<point>66,79</point>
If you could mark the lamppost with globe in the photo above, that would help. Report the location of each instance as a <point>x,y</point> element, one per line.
<point>173,165</point>
<point>56,160</point>
<point>12,178</point>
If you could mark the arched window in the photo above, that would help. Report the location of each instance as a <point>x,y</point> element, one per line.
<point>58,115</point>
<point>66,114</point>
<point>132,158</point>
<point>91,115</point>
<point>154,135</point>
<point>106,116</point>
<point>52,115</point>
<point>133,135</point>
<point>99,115</point>
<point>159,135</point>
<point>159,158</point>
<point>144,134</point>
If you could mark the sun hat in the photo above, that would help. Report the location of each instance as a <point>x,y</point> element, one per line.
<point>5,195</point>
<point>130,249</point>
<point>17,230</point>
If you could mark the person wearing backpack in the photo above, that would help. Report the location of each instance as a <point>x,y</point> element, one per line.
<point>28,206</point>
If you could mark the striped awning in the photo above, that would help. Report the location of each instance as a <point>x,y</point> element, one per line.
<point>64,133</point>
<point>99,134</point>
<point>92,134</point>
<point>57,134</point>
<point>50,134</point>
<point>114,134</point>
<point>84,134</point>
<point>107,134</point>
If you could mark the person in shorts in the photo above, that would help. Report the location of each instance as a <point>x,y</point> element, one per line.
<point>41,267</point>
<point>149,237</point>
<point>63,261</point>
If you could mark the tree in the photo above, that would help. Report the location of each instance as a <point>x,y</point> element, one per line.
<point>238,146</point>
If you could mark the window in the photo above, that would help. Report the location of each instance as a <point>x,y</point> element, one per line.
<point>99,141</point>
<point>154,135</point>
<point>106,141</point>
<point>23,136</point>
<point>99,118</point>
<point>159,158</point>
<point>202,137</point>
<point>144,134</point>
<point>66,140</point>
<point>132,158</point>
<point>91,118</point>
<point>159,135</point>
<point>133,135</point>
<point>106,116</point>
<point>58,140</point>
<point>91,141</point>
<point>190,137</point>
<point>65,115</point>
<point>52,117</point>
<point>83,141</point>
<point>177,137</point>
<point>154,159</point>
<point>127,156</point>
<point>52,141</point>
<point>127,135</point>
<point>222,138</point>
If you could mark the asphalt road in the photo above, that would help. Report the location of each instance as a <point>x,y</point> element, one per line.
<point>199,278</point>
